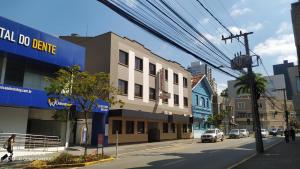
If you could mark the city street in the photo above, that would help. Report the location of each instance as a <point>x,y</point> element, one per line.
<point>189,155</point>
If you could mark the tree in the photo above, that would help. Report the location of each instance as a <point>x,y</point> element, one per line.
<point>243,85</point>
<point>83,89</point>
<point>224,93</point>
<point>216,119</point>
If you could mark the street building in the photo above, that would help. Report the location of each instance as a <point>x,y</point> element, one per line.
<point>295,85</point>
<point>27,56</point>
<point>201,103</point>
<point>295,12</point>
<point>271,105</point>
<point>156,91</point>
<point>283,69</point>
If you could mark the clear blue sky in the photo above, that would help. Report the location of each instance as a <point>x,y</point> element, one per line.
<point>270,21</point>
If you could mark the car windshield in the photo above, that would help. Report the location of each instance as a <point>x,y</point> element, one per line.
<point>234,131</point>
<point>263,130</point>
<point>210,131</point>
<point>243,130</point>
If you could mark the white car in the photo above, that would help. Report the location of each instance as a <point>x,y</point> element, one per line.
<point>212,135</point>
<point>264,133</point>
<point>244,132</point>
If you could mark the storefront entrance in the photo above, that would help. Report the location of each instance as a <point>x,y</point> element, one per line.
<point>153,132</point>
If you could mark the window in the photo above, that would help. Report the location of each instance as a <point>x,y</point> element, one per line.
<point>184,128</point>
<point>175,78</point>
<point>117,126</point>
<point>241,105</point>
<point>202,102</point>
<point>165,127</point>
<point>189,128</point>
<point>152,94</point>
<point>123,57</point>
<point>184,82</point>
<point>129,127</point>
<point>152,69</point>
<point>166,74</point>
<point>141,127</point>
<point>165,100</point>
<point>173,127</point>
<point>298,83</point>
<point>197,100</point>
<point>14,74</point>
<point>138,64</point>
<point>176,99</point>
<point>185,101</point>
<point>123,87</point>
<point>138,90</point>
<point>207,103</point>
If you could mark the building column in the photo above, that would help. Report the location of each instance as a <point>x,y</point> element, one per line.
<point>145,79</point>
<point>158,68</point>
<point>170,87</point>
<point>180,90</point>
<point>131,65</point>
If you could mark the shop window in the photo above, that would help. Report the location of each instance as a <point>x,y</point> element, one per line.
<point>190,128</point>
<point>152,69</point>
<point>123,57</point>
<point>175,78</point>
<point>138,64</point>
<point>123,86</point>
<point>184,82</point>
<point>184,128</point>
<point>141,127</point>
<point>166,74</point>
<point>165,127</point>
<point>152,94</point>
<point>14,74</point>
<point>176,99</point>
<point>173,127</point>
<point>117,126</point>
<point>129,127</point>
<point>185,101</point>
<point>138,90</point>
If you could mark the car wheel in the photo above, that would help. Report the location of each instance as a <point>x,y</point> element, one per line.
<point>216,139</point>
<point>222,138</point>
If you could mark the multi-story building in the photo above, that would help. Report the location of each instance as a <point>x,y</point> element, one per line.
<point>271,106</point>
<point>27,56</point>
<point>295,12</point>
<point>295,84</point>
<point>283,69</point>
<point>156,91</point>
<point>201,103</point>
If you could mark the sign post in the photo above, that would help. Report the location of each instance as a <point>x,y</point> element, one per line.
<point>100,143</point>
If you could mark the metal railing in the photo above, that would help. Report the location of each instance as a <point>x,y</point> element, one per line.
<point>32,142</point>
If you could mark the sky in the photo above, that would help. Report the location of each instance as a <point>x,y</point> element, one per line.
<point>270,20</point>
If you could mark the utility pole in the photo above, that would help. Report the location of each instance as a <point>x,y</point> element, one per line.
<point>239,63</point>
<point>285,107</point>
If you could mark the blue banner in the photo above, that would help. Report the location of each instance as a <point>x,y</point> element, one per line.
<point>27,42</point>
<point>25,97</point>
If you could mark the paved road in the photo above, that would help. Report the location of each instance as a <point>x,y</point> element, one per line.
<point>188,155</point>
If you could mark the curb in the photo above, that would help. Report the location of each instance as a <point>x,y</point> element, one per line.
<point>251,156</point>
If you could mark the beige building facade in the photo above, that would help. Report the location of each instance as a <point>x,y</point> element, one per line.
<point>156,91</point>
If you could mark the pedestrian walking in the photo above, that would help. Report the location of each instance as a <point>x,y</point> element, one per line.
<point>286,135</point>
<point>8,145</point>
<point>293,134</point>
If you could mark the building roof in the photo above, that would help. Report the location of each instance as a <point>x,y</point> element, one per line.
<point>197,79</point>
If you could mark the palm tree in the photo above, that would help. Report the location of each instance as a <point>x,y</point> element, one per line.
<point>243,85</point>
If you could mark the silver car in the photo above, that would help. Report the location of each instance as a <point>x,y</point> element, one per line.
<point>264,133</point>
<point>234,133</point>
<point>244,132</point>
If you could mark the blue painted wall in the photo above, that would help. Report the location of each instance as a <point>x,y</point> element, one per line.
<point>201,106</point>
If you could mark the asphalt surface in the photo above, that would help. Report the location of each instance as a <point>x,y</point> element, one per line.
<point>190,155</point>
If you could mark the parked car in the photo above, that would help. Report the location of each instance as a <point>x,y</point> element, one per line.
<point>234,133</point>
<point>212,135</point>
<point>273,132</point>
<point>264,133</point>
<point>280,132</point>
<point>244,132</point>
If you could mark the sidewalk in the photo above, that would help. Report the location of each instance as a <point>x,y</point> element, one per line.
<point>282,156</point>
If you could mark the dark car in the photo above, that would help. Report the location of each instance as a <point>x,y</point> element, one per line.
<point>273,132</point>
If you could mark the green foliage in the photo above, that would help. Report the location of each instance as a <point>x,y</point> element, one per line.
<point>224,93</point>
<point>217,119</point>
<point>60,115</point>
<point>243,84</point>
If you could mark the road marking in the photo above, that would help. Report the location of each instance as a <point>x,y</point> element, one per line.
<point>173,162</point>
<point>252,155</point>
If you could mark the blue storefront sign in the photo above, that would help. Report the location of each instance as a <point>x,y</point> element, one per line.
<point>30,43</point>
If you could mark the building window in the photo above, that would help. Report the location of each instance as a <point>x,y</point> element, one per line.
<point>176,99</point>
<point>185,101</point>
<point>117,126</point>
<point>184,82</point>
<point>152,69</point>
<point>138,90</point>
<point>197,100</point>
<point>184,128</point>
<point>189,128</point>
<point>123,57</point>
<point>241,105</point>
<point>129,127</point>
<point>141,127</point>
<point>165,127</point>
<point>166,74</point>
<point>165,100</point>
<point>207,103</point>
<point>173,127</point>
<point>175,78</point>
<point>138,64</point>
<point>152,94</point>
<point>123,86</point>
